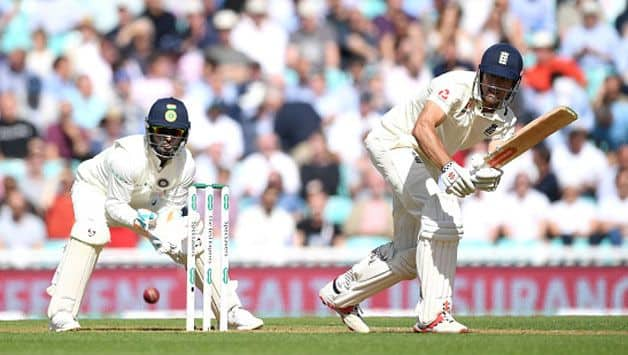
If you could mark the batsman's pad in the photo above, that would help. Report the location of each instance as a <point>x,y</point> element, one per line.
<point>70,279</point>
<point>436,254</point>
<point>91,232</point>
<point>383,268</point>
<point>441,218</point>
<point>436,267</point>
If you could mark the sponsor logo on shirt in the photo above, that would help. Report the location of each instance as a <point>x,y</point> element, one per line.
<point>490,130</point>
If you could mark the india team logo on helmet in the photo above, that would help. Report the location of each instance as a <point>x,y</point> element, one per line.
<point>171,113</point>
<point>167,127</point>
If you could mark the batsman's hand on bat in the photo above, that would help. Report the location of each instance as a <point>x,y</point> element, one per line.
<point>456,180</point>
<point>484,177</point>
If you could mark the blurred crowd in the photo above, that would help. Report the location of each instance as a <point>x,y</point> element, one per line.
<point>281,94</point>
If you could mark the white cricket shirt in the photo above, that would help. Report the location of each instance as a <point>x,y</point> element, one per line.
<point>463,127</point>
<point>130,176</point>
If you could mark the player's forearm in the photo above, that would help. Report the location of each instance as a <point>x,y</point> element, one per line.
<point>430,144</point>
<point>120,212</point>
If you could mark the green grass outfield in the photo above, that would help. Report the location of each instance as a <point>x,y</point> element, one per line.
<point>390,336</point>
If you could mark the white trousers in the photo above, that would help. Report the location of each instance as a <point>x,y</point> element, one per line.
<point>421,212</point>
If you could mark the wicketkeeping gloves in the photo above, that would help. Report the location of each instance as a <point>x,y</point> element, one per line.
<point>456,180</point>
<point>145,221</point>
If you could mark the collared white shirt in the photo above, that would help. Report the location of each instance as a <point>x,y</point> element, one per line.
<point>129,174</point>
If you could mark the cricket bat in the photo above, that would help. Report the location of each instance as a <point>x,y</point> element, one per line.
<point>530,135</point>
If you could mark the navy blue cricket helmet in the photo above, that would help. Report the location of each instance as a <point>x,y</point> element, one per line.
<point>167,127</point>
<point>504,61</point>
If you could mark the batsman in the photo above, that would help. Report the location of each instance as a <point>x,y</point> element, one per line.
<point>412,148</point>
<point>140,182</point>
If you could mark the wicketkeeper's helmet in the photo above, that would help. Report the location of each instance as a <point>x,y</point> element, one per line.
<point>167,127</point>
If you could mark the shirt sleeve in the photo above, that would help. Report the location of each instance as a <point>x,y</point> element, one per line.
<point>119,188</point>
<point>445,93</point>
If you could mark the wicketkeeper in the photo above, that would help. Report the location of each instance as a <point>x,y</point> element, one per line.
<point>412,148</point>
<point>140,182</point>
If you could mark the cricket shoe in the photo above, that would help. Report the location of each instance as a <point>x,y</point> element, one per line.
<point>241,319</point>
<point>444,323</point>
<point>62,322</point>
<point>351,316</point>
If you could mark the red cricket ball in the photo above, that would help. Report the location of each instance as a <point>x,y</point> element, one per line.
<point>151,295</point>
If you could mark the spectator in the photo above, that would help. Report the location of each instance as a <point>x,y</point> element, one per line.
<point>125,18</point>
<point>290,202</point>
<point>260,38</point>
<point>449,38</point>
<point>294,122</point>
<point>132,112</point>
<point>38,184</point>
<point>110,128</point>
<point>87,106</point>
<point>318,163</point>
<point>265,227</point>
<point>345,134</point>
<point>234,63</point>
<point>592,44</point>
<point>15,133</point>
<point>579,161</point>
<point>613,211</point>
<point>137,43</point>
<point>20,229</point>
<point>313,41</point>
<point>210,87</point>
<point>547,64</point>
<point>360,40</point>
<point>500,26</point>
<point>59,216</point>
<point>607,186</point>
<point>314,229</point>
<point>218,136</point>
<point>411,75</point>
<point>546,182</point>
<point>572,216</point>
<point>478,212</point>
<point>71,141</point>
<point>371,214</point>
<point>85,53</point>
<point>60,82</point>
<point>450,60</point>
<point>163,22</point>
<point>14,75</point>
<point>260,165</point>
<point>157,83</point>
<point>41,105</point>
<point>535,16</point>
<point>523,212</point>
<point>40,58</point>
<point>197,35</point>
<point>611,114</point>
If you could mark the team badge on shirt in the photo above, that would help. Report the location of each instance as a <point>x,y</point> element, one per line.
<point>163,183</point>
